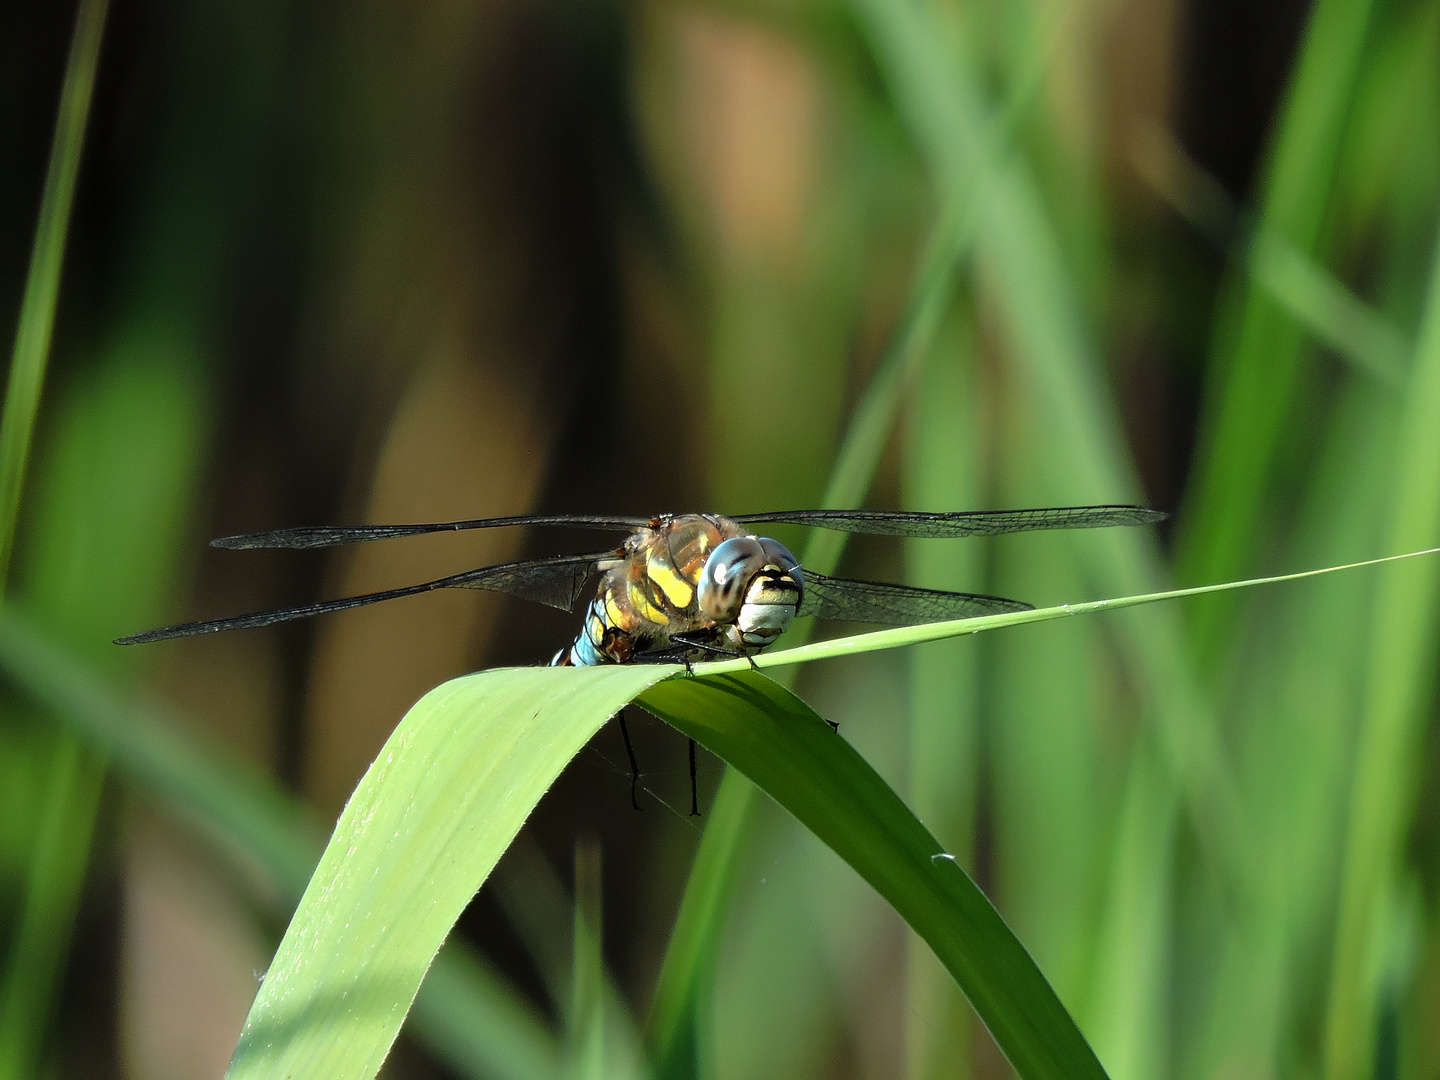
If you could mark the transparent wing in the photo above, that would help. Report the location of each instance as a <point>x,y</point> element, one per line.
<point>557,582</point>
<point>961,523</point>
<point>895,605</point>
<point>323,536</point>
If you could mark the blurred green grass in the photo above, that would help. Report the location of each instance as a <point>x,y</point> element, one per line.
<point>685,235</point>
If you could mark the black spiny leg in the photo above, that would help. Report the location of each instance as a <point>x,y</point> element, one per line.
<point>718,650</point>
<point>694,794</point>
<point>634,766</point>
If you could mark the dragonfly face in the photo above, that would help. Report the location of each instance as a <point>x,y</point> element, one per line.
<point>752,585</point>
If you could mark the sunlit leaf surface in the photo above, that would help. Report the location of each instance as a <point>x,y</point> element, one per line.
<point>433,814</point>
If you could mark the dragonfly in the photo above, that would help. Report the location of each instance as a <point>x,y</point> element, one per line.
<point>683,587</point>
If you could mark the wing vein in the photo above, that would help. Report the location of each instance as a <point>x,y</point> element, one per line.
<point>306,537</point>
<point>961,523</point>
<point>895,605</point>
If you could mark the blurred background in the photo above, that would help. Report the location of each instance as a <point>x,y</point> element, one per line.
<point>375,262</point>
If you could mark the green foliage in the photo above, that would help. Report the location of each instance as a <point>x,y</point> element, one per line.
<point>467,765</point>
<point>964,280</point>
<point>427,824</point>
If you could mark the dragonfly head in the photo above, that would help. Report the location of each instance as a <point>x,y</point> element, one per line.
<point>753,584</point>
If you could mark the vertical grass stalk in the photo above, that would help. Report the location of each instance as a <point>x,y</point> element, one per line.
<point>943,471</point>
<point>1400,688</point>
<point>587,1016</point>
<point>1256,364</point>
<point>65,818</point>
<point>42,283</point>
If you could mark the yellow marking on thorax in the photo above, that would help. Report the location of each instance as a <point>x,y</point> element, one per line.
<point>676,589</point>
<point>635,591</point>
<point>613,614</point>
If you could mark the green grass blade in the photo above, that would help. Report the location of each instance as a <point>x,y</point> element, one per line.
<point>61,846</point>
<point>690,953</point>
<point>451,789</point>
<point>1052,781</point>
<point>432,815</point>
<point>104,511</point>
<point>1400,686</point>
<point>59,857</point>
<point>1258,355</point>
<point>1330,311</point>
<point>225,797</point>
<point>42,282</point>
<point>1294,720</point>
<point>939,96</point>
<point>703,905</point>
<point>541,912</point>
<point>901,636</point>
<point>466,1014</point>
<point>588,968</point>
<point>943,469</point>
<point>587,1010</point>
<point>762,729</point>
<point>1308,292</point>
<point>473,1021</point>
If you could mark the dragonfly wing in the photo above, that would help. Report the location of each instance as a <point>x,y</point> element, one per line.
<point>557,582</point>
<point>895,605</point>
<point>324,536</point>
<point>961,523</point>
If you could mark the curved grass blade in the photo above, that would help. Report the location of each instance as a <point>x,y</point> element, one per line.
<point>913,635</point>
<point>465,767</point>
<point>773,737</point>
<point>427,823</point>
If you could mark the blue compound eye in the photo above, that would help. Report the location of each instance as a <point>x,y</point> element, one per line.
<point>777,554</point>
<point>726,576</point>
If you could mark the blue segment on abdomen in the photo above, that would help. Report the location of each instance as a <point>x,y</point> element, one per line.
<point>584,652</point>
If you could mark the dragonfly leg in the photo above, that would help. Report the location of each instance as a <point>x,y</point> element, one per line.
<point>718,650</point>
<point>694,793</point>
<point>634,766</point>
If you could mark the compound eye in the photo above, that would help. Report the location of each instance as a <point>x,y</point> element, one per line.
<point>779,555</point>
<point>725,576</point>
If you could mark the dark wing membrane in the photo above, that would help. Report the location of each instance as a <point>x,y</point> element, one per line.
<point>961,523</point>
<point>895,605</point>
<point>323,536</point>
<point>557,582</point>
